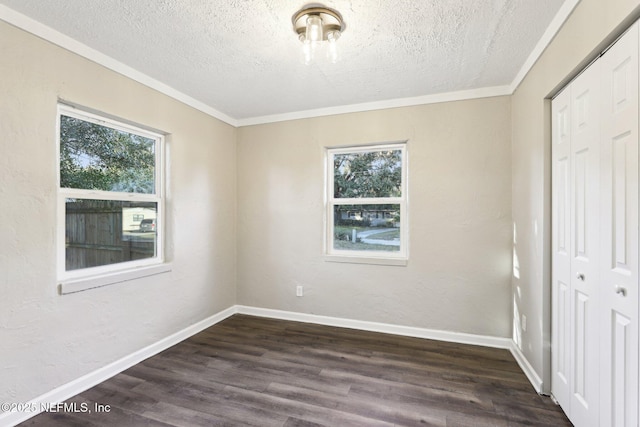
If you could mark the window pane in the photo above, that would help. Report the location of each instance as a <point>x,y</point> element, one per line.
<point>366,227</point>
<point>97,157</point>
<point>368,174</point>
<point>103,232</point>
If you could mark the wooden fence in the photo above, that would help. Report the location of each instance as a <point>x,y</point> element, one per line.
<point>95,236</point>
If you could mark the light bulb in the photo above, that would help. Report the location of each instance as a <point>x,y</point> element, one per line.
<point>314,28</point>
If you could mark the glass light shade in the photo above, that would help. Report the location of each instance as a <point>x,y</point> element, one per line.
<point>314,28</point>
<point>307,53</point>
<point>332,52</point>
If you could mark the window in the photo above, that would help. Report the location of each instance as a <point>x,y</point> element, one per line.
<point>110,183</point>
<point>367,203</point>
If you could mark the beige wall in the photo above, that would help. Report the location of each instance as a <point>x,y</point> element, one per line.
<point>592,26</point>
<point>47,340</point>
<point>458,274</point>
<point>478,170</point>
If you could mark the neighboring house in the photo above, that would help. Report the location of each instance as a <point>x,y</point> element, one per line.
<point>131,217</point>
<point>381,217</point>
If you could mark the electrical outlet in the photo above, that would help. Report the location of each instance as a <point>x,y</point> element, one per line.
<point>524,323</point>
<point>299,291</point>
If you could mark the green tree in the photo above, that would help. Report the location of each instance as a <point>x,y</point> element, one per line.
<point>96,157</point>
<point>367,174</point>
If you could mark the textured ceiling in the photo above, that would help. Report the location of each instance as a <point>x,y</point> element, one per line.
<point>242,58</point>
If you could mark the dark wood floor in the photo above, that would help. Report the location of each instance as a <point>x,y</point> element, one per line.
<point>250,371</point>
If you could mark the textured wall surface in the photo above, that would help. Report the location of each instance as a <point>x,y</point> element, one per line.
<point>592,23</point>
<point>457,278</point>
<point>47,340</point>
<point>471,164</point>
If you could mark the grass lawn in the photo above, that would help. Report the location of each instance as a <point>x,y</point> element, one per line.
<point>345,229</point>
<point>350,246</point>
<point>387,235</point>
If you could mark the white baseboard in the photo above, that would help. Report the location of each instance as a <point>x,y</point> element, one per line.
<point>408,331</point>
<point>526,367</point>
<point>67,391</point>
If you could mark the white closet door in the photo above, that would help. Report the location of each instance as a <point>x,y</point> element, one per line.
<point>575,235</point>
<point>619,227</point>
<point>585,248</point>
<point>561,249</point>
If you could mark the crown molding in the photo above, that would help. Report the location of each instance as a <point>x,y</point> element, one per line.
<point>380,105</point>
<point>49,34</point>
<point>46,33</point>
<point>558,21</point>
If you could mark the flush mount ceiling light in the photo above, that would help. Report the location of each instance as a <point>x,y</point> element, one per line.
<point>316,24</point>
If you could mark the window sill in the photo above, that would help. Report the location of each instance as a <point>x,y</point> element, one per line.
<point>77,285</point>
<point>398,262</point>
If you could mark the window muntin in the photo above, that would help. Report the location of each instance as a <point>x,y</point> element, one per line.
<point>366,209</point>
<point>110,179</point>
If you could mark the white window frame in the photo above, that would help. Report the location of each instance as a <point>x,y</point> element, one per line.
<point>93,277</point>
<point>400,257</point>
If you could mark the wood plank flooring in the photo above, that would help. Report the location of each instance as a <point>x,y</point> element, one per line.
<point>250,371</point>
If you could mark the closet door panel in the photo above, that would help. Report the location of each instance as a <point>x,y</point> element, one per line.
<point>561,249</point>
<point>575,237</point>
<point>619,233</point>
<point>585,248</point>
